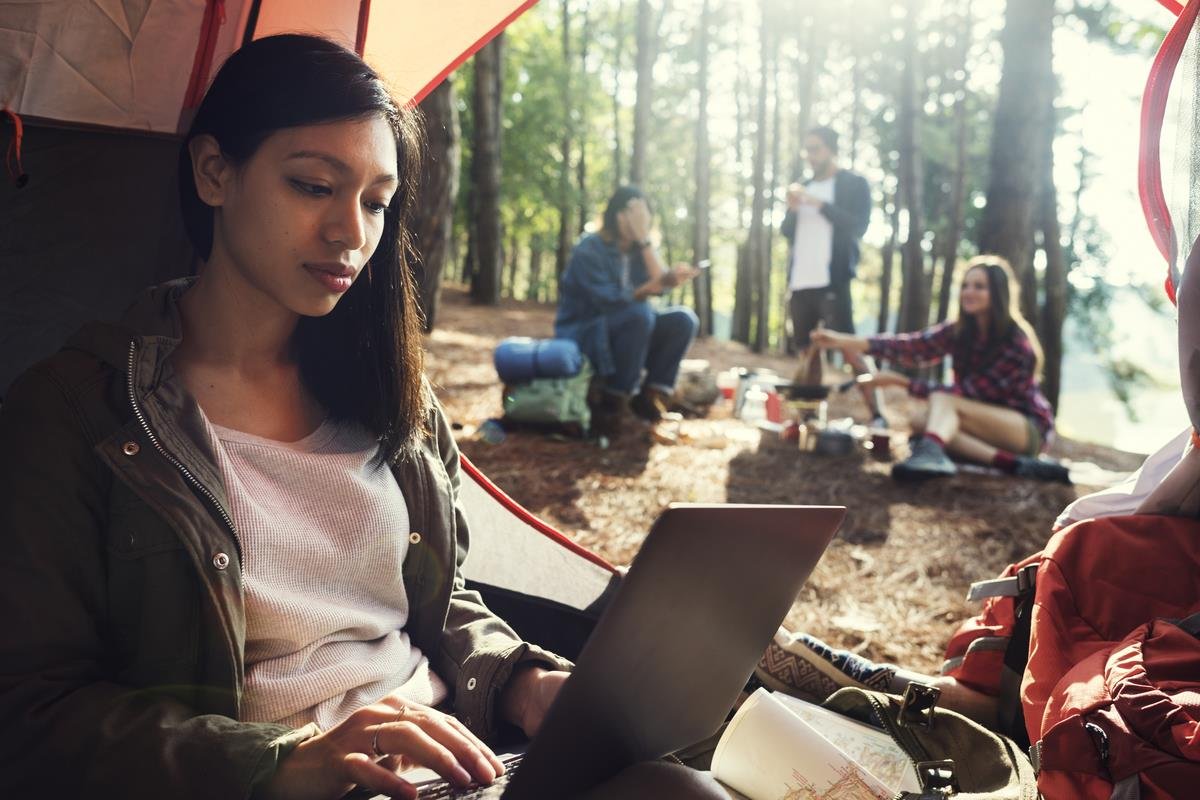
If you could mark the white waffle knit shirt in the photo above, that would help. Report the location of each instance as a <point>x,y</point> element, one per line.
<point>324,531</point>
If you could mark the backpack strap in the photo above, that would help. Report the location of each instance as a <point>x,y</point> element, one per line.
<point>1024,582</point>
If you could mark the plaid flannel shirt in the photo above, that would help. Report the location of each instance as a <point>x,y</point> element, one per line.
<point>1001,374</point>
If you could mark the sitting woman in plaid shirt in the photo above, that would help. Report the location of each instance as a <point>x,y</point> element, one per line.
<point>993,412</point>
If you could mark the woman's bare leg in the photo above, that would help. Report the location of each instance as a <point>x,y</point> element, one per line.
<point>984,427</point>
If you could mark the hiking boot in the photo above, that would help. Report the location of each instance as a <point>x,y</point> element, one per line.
<point>609,415</point>
<point>649,404</point>
<point>1042,469</point>
<point>928,460</point>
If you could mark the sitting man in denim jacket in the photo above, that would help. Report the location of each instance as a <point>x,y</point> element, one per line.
<point>603,306</point>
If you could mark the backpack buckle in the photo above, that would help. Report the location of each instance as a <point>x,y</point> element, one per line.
<point>937,778</point>
<point>1026,579</point>
<point>916,709</point>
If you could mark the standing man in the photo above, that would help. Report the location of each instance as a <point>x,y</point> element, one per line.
<point>824,225</point>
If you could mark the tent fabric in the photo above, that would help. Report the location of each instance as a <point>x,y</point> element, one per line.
<point>141,64</point>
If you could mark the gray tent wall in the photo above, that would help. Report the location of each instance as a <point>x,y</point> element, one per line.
<point>97,222</point>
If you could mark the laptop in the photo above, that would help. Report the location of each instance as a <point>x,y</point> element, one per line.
<point>674,648</point>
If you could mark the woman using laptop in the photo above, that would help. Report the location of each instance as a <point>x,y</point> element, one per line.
<point>233,541</point>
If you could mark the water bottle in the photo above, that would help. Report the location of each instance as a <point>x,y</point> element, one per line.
<point>754,405</point>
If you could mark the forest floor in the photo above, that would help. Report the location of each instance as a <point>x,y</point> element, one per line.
<point>891,586</point>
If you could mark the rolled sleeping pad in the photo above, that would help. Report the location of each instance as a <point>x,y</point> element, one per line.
<point>519,359</point>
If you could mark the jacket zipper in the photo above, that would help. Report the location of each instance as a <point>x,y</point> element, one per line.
<point>187,474</point>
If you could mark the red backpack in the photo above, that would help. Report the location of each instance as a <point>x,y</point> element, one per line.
<point>1110,692</point>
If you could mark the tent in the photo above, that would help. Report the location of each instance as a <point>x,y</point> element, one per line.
<point>103,89</point>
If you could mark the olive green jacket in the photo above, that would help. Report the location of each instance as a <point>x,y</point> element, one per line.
<point>122,657</point>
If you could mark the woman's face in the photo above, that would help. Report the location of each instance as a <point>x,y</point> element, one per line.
<point>974,297</point>
<point>300,219</point>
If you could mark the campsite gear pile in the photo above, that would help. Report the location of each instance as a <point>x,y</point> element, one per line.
<point>546,384</point>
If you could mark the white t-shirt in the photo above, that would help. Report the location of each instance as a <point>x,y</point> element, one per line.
<point>324,530</point>
<point>812,242</point>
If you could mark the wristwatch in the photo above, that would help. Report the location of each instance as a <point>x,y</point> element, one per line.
<point>642,245</point>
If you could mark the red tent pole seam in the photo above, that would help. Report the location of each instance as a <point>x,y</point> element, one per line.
<point>1154,102</point>
<point>214,18</point>
<point>364,16</point>
<point>528,518</point>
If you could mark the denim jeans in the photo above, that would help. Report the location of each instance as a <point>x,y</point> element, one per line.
<point>642,337</point>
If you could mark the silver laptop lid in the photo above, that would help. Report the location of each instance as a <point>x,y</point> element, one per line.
<point>682,635</point>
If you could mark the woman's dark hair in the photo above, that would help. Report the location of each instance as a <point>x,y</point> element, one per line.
<point>1004,309</point>
<point>363,360</point>
<point>616,204</point>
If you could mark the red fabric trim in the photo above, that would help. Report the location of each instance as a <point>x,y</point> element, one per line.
<point>470,51</point>
<point>214,18</point>
<point>1154,106</point>
<point>1173,6</point>
<point>13,156</point>
<point>364,16</point>
<point>529,519</point>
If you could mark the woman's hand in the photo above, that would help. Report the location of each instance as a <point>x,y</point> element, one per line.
<point>376,742</point>
<point>882,378</point>
<point>827,339</point>
<point>527,697</point>
<point>637,219</point>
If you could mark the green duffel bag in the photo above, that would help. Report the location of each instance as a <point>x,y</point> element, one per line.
<point>955,757</point>
<point>554,404</point>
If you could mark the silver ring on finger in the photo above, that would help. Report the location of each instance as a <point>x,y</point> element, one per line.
<point>375,739</point>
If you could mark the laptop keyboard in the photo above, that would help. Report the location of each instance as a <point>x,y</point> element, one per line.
<point>443,790</point>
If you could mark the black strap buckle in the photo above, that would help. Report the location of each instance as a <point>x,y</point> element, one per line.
<point>1026,579</point>
<point>916,709</point>
<point>937,778</point>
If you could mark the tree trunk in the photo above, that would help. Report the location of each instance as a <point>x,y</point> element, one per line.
<point>700,212</point>
<point>807,74</point>
<point>511,256</point>
<point>582,106</point>
<point>756,239</point>
<point>647,54</point>
<point>1022,114</point>
<point>914,299</point>
<point>535,269</point>
<point>433,222</point>
<point>742,304</point>
<point>1054,310</point>
<point>888,257</point>
<point>958,197</point>
<point>770,301</point>
<point>485,283</point>
<point>563,249</point>
<point>618,52</point>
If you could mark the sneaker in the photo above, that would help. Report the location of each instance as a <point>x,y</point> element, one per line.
<point>1042,469</point>
<point>928,460</point>
<point>806,667</point>
<point>649,404</point>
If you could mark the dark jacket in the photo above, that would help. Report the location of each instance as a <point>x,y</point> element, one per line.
<point>850,214</point>
<point>121,663</point>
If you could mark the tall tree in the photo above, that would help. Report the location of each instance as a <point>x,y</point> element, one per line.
<point>565,232</point>
<point>581,168</point>
<point>485,158</point>
<point>958,196</point>
<point>1054,309</point>
<point>700,211</point>
<point>618,51</point>
<point>914,294</point>
<point>756,262</point>
<point>647,54</point>
<point>887,261</point>
<point>808,71</point>
<point>1019,124</point>
<point>433,224</point>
